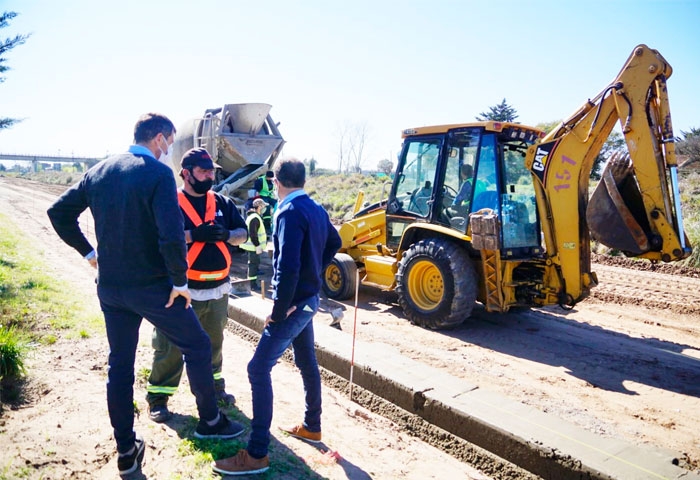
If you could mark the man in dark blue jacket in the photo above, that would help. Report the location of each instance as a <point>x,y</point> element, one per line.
<point>304,243</point>
<point>142,267</point>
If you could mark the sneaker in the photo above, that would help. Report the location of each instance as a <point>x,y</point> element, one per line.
<point>129,463</point>
<point>254,287</point>
<point>299,431</point>
<point>241,464</point>
<point>223,429</point>
<point>226,398</point>
<point>159,413</point>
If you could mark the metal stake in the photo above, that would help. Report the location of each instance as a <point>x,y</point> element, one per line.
<point>354,330</point>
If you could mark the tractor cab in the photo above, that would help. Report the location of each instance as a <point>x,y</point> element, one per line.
<point>445,173</point>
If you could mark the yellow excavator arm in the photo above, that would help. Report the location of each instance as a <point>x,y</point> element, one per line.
<point>636,207</point>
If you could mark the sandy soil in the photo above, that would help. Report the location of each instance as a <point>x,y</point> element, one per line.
<point>625,363</point>
<point>61,430</point>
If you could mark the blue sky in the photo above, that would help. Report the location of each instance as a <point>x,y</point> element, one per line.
<point>92,67</point>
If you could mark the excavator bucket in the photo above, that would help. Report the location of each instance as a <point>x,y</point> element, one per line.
<point>615,215</point>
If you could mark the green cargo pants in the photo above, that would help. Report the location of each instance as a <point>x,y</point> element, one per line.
<point>167,358</point>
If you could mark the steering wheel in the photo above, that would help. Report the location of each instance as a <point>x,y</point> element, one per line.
<point>450,190</point>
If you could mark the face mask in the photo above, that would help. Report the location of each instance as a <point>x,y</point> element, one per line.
<point>164,157</point>
<point>200,186</point>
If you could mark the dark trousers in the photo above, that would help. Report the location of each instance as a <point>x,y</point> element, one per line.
<point>296,330</point>
<point>253,266</point>
<point>123,309</point>
<point>167,358</point>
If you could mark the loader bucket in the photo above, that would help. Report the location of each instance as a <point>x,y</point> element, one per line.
<point>615,215</point>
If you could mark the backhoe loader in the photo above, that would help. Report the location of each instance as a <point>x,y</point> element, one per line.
<point>519,233</point>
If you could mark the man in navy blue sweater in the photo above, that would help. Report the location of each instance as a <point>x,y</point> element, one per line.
<point>304,243</point>
<point>142,266</point>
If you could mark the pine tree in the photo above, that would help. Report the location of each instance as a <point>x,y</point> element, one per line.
<point>499,113</point>
<point>5,46</point>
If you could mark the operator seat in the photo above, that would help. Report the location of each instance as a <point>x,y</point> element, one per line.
<point>487,199</point>
<point>421,197</point>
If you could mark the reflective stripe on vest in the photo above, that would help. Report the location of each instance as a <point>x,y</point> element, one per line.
<point>262,235</point>
<point>196,248</point>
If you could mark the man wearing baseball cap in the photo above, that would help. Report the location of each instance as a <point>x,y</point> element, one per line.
<point>257,240</point>
<point>211,222</point>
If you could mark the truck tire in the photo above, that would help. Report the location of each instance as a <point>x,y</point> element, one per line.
<point>436,284</point>
<point>340,277</point>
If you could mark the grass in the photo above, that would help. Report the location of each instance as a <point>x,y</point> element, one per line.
<point>35,308</point>
<point>338,192</point>
<point>690,200</point>
<point>13,348</point>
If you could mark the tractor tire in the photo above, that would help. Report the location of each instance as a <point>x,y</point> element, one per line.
<point>340,277</point>
<point>436,284</point>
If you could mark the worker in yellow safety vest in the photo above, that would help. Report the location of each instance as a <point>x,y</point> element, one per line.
<point>256,243</point>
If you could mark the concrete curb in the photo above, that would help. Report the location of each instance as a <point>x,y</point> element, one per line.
<point>542,444</point>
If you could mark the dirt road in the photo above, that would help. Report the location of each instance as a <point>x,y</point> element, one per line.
<point>624,363</point>
<point>61,429</point>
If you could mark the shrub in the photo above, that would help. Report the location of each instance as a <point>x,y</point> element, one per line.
<point>12,353</point>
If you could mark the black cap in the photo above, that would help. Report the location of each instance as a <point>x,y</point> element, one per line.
<point>198,157</point>
<point>270,174</point>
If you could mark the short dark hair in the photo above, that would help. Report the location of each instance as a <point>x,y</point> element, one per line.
<point>151,124</point>
<point>291,173</point>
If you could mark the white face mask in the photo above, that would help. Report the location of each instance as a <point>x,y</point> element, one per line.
<point>164,157</point>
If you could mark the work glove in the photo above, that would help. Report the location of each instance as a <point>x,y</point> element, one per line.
<point>259,249</point>
<point>208,232</point>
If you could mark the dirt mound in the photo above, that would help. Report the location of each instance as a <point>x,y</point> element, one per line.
<point>677,268</point>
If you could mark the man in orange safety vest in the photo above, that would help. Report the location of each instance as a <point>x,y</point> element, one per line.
<point>212,222</point>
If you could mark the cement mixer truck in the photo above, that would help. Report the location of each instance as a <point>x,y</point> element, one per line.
<point>242,138</point>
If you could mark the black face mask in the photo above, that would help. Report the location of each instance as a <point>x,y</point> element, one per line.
<point>200,186</point>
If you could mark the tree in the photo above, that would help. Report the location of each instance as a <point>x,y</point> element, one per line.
<point>499,113</point>
<point>351,145</point>
<point>548,126</point>
<point>690,146</point>
<point>614,143</point>
<point>342,144</point>
<point>5,46</point>
<point>385,166</point>
<point>357,139</point>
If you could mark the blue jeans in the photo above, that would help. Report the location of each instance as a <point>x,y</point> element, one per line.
<point>296,330</point>
<point>124,308</point>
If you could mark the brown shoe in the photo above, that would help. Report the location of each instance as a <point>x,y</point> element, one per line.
<point>299,431</point>
<point>241,464</point>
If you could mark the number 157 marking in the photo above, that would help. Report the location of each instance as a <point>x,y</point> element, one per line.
<point>563,177</point>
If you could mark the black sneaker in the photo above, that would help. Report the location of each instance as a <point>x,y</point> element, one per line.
<point>159,413</point>
<point>223,429</point>
<point>129,463</point>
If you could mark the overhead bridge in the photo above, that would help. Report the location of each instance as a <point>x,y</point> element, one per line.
<point>47,159</point>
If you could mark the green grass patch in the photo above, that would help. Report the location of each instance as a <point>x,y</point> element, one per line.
<point>31,300</point>
<point>13,348</point>
<point>337,193</point>
<point>35,308</point>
